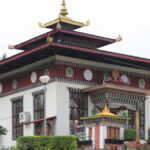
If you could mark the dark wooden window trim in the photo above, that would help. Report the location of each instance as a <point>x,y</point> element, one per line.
<point>16,98</point>
<point>38,109</point>
<point>38,92</point>
<point>16,126</point>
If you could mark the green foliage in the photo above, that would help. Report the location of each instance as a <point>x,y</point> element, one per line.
<point>4,148</point>
<point>148,140</point>
<point>2,130</point>
<point>129,134</point>
<point>47,143</point>
<point>3,57</point>
<point>145,147</point>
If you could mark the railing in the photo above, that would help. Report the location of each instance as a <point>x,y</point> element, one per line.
<point>114,141</point>
<point>84,143</point>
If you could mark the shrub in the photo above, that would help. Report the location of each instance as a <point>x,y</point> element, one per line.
<point>129,134</point>
<point>148,140</point>
<point>47,143</point>
<point>2,130</point>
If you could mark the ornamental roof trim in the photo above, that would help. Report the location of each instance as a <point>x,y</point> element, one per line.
<point>76,33</point>
<point>125,88</point>
<point>105,114</point>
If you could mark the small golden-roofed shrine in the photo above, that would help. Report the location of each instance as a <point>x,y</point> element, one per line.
<point>105,128</point>
<point>107,117</point>
<point>63,22</point>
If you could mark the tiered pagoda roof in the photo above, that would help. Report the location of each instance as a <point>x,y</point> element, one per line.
<point>64,41</point>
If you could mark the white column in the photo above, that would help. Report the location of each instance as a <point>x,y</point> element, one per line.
<point>101,137</point>
<point>147,118</point>
<point>87,133</point>
<point>93,137</point>
<point>105,133</point>
<point>121,137</point>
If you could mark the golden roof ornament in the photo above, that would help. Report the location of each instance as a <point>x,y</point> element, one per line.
<point>106,112</point>
<point>63,10</point>
<point>41,25</point>
<point>11,47</point>
<point>87,23</point>
<point>49,39</point>
<point>64,21</point>
<point>118,39</point>
<point>58,27</point>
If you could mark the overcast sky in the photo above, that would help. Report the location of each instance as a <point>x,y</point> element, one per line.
<point>109,18</point>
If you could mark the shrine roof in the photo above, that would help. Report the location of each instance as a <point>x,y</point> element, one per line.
<point>117,87</point>
<point>105,114</point>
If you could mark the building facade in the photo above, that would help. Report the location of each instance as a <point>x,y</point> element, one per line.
<point>82,79</point>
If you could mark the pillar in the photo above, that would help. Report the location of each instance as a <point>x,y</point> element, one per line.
<point>137,123</point>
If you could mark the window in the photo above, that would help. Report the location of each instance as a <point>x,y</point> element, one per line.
<point>17,107</point>
<point>78,108</point>
<point>38,113</point>
<point>112,133</point>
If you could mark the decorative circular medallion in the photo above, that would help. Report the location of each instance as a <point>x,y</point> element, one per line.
<point>46,72</point>
<point>33,77</point>
<point>88,75</point>
<point>14,84</point>
<point>125,79</point>
<point>69,72</point>
<point>1,87</point>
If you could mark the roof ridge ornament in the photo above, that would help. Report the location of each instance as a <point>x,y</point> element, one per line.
<point>63,10</point>
<point>118,39</point>
<point>65,21</point>
<point>11,47</point>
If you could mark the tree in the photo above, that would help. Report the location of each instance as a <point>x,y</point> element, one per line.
<point>3,57</point>
<point>2,130</point>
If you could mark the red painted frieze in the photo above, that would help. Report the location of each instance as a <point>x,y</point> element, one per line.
<point>59,71</point>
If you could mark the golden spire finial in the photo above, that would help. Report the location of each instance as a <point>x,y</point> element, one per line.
<point>63,10</point>
<point>106,109</point>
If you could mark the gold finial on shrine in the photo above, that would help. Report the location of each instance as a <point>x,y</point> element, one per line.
<point>63,10</point>
<point>106,109</point>
<point>118,39</point>
<point>11,47</point>
<point>106,112</point>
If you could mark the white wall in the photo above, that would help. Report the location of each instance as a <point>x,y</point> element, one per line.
<point>6,110</point>
<point>147,116</point>
<point>57,101</point>
<point>62,105</point>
